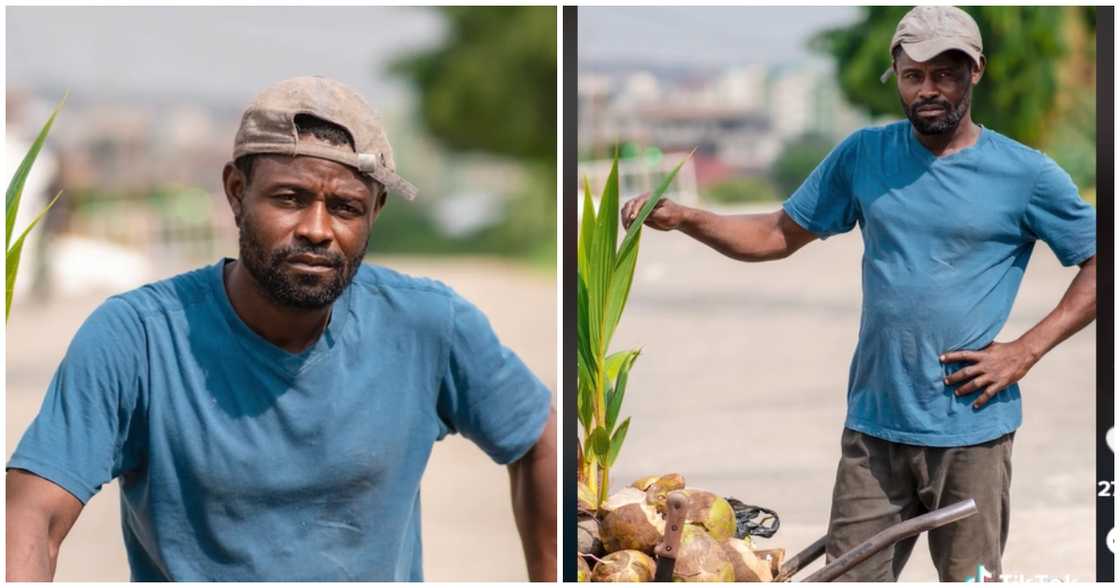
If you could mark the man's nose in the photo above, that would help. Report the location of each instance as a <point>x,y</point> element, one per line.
<point>315,224</point>
<point>928,89</point>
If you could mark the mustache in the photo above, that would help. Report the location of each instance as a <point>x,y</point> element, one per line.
<point>942,104</point>
<point>332,259</point>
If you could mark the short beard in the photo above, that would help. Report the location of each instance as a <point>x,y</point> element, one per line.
<point>294,290</point>
<point>946,123</point>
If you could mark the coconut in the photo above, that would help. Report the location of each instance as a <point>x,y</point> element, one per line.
<point>583,572</point>
<point>632,526</point>
<point>657,493</point>
<point>774,556</point>
<point>748,567</point>
<point>711,512</point>
<point>701,559</point>
<point>643,484</point>
<point>624,566</point>
<point>622,498</point>
<point>588,537</point>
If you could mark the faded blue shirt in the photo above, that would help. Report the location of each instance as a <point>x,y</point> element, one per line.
<point>946,242</point>
<point>238,460</point>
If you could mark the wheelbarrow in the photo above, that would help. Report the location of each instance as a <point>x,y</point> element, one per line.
<point>666,551</point>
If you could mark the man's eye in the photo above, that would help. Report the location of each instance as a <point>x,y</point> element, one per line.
<point>348,209</point>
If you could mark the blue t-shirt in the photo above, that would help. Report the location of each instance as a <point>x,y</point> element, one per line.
<point>238,460</point>
<point>946,242</point>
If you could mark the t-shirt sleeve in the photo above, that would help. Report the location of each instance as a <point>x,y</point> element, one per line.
<point>487,393</point>
<point>78,440</point>
<point>1057,215</point>
<point>825,204</point>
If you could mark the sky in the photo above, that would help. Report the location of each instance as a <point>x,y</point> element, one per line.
<point>712,36</point>
<point>216,55</point>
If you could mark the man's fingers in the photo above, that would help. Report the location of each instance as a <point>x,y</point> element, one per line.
<point>989,391</point>
<point>971,386</point>
<point>963,355</point>
<point>961,375</point>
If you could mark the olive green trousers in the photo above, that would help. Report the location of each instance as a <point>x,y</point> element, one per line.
<point>880,483</point>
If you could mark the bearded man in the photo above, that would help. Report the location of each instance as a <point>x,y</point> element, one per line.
<point>950,212</point>
<point>270,417</point>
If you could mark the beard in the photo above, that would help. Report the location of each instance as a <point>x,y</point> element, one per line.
<point>287,287</point>
<point>950,119</point>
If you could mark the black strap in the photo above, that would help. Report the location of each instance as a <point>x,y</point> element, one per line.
<point>745,523</point>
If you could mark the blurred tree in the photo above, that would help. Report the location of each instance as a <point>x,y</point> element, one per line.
<point>738,190</point>
<point>492,85</point>
<point>1025,46</point>
<point>797,161</point>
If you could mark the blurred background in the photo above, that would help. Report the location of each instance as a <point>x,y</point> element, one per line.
<point>744,367</point>
<point>155,95</point>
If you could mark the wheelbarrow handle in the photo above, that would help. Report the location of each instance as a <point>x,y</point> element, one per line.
<point>890,536</point>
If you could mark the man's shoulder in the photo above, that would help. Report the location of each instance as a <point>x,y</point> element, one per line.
<point>1014,151</point>
<point>171,294</point>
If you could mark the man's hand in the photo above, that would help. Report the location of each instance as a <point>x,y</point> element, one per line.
<point>993,369</point>
<point>1000,365</point>
<point>666,216</point>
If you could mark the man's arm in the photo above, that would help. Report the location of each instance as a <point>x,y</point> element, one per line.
<point>745,237</point>
<point>532,481</point>
<point>39,515</point>
<point>1000,365</point>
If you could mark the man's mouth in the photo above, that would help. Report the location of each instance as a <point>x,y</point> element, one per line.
<point>311,263</point>
<point>930,110</point>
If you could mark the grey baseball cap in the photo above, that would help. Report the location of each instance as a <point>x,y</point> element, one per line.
<point>268,127</point>
<point>928,31</point>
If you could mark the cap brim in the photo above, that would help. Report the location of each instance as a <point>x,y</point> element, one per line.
<point>927,50</point>
<point>395,184</point>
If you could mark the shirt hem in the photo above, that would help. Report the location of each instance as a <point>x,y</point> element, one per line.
<point>931,439</point>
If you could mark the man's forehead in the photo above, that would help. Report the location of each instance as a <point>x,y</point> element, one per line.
<point>281,168</point>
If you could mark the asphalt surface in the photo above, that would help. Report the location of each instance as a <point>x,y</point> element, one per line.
<point>741,388</point>
<point>467,520</point>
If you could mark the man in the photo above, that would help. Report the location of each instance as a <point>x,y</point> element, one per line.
<point>949,212</point>
<point>269,418</point>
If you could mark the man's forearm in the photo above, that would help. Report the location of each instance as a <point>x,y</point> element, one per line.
<point>29,557</point>
<point>533,490</point>
<point>745,237</point>
<point>1077,309</point>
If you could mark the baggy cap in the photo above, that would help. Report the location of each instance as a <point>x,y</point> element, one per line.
<point>928,31</point>
<point>268,127</point>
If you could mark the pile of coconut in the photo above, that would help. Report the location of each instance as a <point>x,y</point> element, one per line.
<point>616,543</point>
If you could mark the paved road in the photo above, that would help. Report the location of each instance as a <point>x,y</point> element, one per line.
<point>467,522</point>
<point>741,388</point>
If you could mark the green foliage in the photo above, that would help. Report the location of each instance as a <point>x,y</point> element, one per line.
<point>12,200</point>
<point>1023,44</point>
<point>797,160</point>
<point>492,85</point>
<point>606,271</point>
<point>745,189</point>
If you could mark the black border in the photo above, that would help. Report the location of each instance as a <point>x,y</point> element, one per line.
<point>1106,466</point>
<point>568,192</point>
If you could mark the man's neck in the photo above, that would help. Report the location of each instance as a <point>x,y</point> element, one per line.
<point>293,330</point>
<point>962,137</point>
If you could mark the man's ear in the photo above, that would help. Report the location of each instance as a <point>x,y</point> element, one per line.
<point>978,70</point>
<point>234,182</point>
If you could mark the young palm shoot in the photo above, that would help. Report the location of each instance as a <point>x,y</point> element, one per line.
<point>606,271</point>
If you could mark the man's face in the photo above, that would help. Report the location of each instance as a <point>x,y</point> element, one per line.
<point>936,94</point>
<point>304,226</point>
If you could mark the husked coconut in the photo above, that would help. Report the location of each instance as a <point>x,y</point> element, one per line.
<point>747,566</point>
<point>588,538</point>
<point>774,556</point>
<point>624,566</point>
<point>701,559</point>
<point>583,571</point>
<point>657,493</point>
<point>632,526</point>
<point>621,498</point>
<point>711,512</point>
